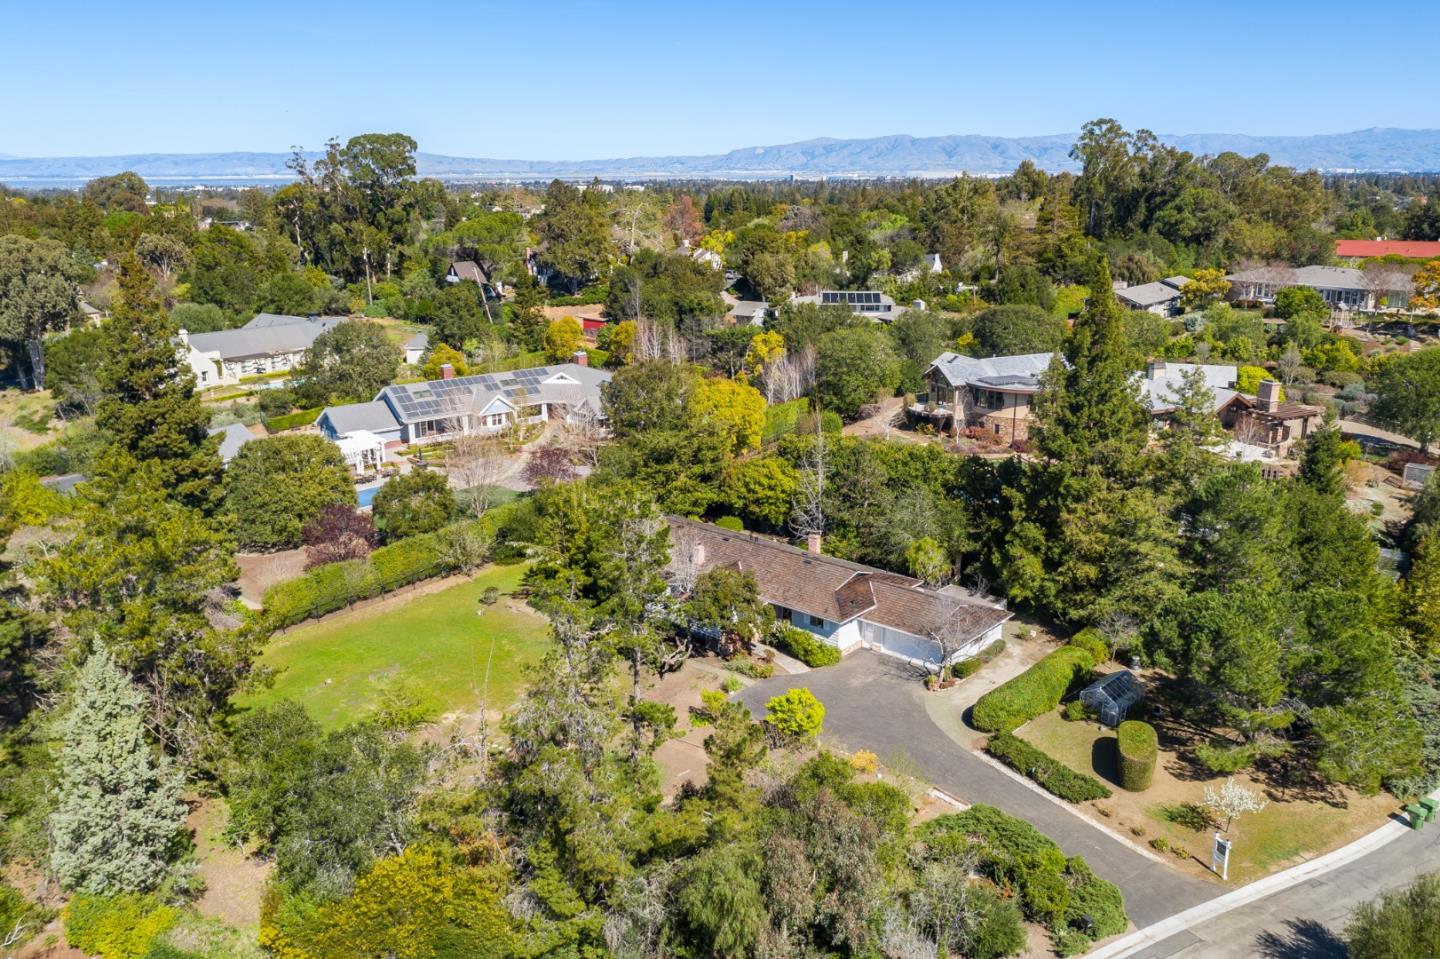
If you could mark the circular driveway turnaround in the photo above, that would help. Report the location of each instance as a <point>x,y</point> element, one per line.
<point>876,702</point>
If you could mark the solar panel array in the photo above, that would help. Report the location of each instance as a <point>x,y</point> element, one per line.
<point>438,398</point>
<point>861,301</point>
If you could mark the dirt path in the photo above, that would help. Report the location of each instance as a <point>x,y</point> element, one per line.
<point>234,882</point>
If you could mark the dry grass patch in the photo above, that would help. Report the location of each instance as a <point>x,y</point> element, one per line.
<point>1298,823</point>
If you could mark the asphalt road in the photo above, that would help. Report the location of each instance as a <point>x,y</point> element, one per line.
<point>874,702</point>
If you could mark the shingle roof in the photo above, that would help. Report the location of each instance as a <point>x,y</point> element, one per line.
<point>419,341</point>
<point>576,385</point>
<point>1019,373</point>
<point>1160,387</point>
<point>373,417</point>
<point>1148,294</point>
<point>1323,278</point>
<point>264,339</point>
<point>824,586</point>
<point>469,270</point>
<point>232,437</point>
<point>261,320</point>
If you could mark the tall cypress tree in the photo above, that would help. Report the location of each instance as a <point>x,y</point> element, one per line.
<point>149,409</point>
<point>118,813</point>
<point>1089,419</point>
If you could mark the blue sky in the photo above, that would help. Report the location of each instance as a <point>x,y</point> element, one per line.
<point>593,79</point>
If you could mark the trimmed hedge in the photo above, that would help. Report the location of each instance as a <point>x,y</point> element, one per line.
<point>1053,775</point>
<point>289,421</point>
<point>1090,639</point>
<point>806,647</point>
<point>334,586</point>
<point>1037,690</point>
<point>971,666</point>
<point>1138,746</point>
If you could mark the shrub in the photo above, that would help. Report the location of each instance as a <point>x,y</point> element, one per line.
<point>490,596</point>
<point>1003,835</point>
<point>118,927</point>
<point>334,586</point>
<point>796,714</point>
<point>864,761</point>
<point>731,684</point>
<point>1160,844</point>
<point>1092,642</point>
<point>751,667</point>
<point>1075,711</point>
<point>275,486</point>
<point>419,502</point>
<point>731,523</point>
<point>1035,691</point>
<point>969,667</point>
<point>1093,898</point>
<point>1048,772</point>
<point>782,418</point>
<point>804,646</point>
<point>290,421</point>
<point>1137,746</point>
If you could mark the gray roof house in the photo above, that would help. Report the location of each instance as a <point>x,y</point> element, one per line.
<point>871,303</point>
<point>1161,297</point>
<point>416,346</point>
<point>465,405</point>
<point>1160,386</point>
<point>847,605</point>
<point>992,395</point>
<point>1341,287</point>
<point>269,343</point>
<point>232,437</point>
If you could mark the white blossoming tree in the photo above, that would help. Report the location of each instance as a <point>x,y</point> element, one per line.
<point>1232,800</point>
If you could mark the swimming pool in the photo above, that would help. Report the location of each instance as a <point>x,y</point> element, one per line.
<point>365,495</point>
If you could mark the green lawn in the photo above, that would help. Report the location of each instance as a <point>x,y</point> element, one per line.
<point>433,648</point>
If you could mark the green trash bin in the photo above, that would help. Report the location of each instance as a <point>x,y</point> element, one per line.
<point>1417,815</point>
<point>1431,806</point>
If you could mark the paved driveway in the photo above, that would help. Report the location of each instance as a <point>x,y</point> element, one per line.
<point>875,702</point>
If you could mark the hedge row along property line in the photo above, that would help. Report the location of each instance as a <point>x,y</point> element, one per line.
<point>1138,746</point>
<point>1051,774</point>
<point>1037,690</point>
<point>326,589</point>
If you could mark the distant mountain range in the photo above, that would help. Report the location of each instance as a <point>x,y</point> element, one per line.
<point>1379,150</point>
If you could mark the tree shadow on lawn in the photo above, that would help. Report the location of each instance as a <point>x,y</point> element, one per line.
<point>1302,939</point>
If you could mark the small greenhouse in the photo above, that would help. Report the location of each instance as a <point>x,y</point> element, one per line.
<point>1112,696</point>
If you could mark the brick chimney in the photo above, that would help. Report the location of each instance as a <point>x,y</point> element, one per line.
<point>1269,395</point>
<point>447,372</point>
<point>581,358</point>
<point>812,543</point>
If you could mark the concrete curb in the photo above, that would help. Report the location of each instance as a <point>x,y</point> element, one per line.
<point>1259,889</point>
<point>1071,809</point>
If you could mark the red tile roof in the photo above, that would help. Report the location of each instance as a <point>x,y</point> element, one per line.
<point>1410,249</point>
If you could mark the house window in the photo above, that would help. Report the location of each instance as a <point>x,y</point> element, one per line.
<point>816,621</point>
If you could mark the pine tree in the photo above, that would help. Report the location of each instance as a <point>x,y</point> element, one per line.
<point>1089,419</point>
<point>1321,465</point>
<point>149,410</point>
<point>1422,596</point>
<point>118,813</point>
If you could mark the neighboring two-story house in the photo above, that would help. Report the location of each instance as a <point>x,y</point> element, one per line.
<point>848,605</point>
<point>992,394</point>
